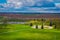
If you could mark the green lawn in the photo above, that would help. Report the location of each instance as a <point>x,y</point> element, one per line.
<point>25,32</point>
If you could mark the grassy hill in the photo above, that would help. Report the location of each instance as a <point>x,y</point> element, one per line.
<point>25,32</point>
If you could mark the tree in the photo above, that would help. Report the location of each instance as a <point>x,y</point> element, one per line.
<point>42,27</point>
<point>50,23</point>
<point>55,26</point>
<point>3,25</point>
<point>31,24</point>
<point>36,26</point>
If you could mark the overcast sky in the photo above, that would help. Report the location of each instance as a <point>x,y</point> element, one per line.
<point>41,6</point>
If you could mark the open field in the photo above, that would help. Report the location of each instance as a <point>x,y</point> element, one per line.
<point>25,32</point>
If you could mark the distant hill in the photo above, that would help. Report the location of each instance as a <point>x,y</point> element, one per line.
<point>31,15</point>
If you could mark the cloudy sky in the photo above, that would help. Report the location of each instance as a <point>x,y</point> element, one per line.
<point>37,6</point>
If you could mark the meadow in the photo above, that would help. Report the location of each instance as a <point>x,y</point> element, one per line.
<point>25,32</point>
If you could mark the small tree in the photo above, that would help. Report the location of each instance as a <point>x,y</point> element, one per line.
<point>36,26</point>
<point>5,22</point>
<point>3,25</point>
<point>50,23</point>
<point>55,26</point>
<point>42,27</point>
<point>31,24</point>
<point>42,23</point>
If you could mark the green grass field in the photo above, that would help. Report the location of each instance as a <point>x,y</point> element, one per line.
<point>25,32</point>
